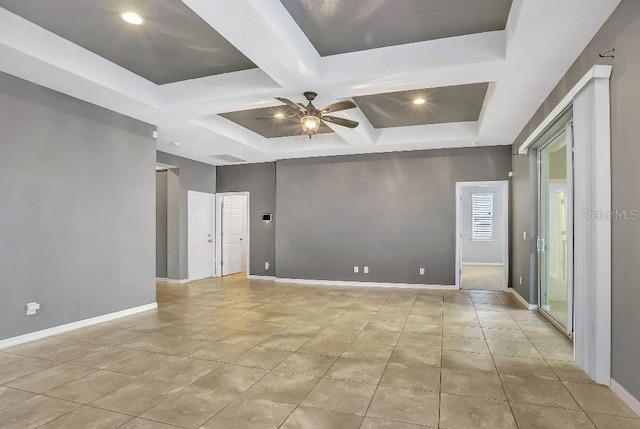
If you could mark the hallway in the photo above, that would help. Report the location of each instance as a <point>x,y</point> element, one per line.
<point>233,353</point>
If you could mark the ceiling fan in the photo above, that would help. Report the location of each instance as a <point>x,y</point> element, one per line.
<point>311,118</point>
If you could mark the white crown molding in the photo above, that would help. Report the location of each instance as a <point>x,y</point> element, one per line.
<point>32,336</point>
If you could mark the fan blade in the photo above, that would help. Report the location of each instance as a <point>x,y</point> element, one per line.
<point>340,105</point>
<point>290,103</point>
<point>340,121</point>
<point>277,117</point>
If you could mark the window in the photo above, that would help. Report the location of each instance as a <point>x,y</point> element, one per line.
<point>482,217</point>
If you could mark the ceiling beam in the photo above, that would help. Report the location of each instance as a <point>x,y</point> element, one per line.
<point>231,130</point>
<point>363,134</point>
<point>265,33</point>
<point>463,59</point>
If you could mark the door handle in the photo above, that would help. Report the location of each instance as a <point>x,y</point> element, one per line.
<point>540,245</point>
<point>210,241</point>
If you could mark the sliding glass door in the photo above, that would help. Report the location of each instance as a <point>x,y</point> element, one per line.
<point>555,235</point>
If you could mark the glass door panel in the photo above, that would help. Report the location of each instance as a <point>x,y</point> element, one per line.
<point>555,234</point>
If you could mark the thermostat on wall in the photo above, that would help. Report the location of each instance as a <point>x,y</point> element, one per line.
<point>266,217</point>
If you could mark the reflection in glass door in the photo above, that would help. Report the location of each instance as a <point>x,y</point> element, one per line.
<point>555,235</point>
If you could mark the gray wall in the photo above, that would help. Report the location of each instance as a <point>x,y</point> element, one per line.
<point>189,176</point>
<point>260,181</point>
<point>77,190</point>
<point>392,212</point>
<point>482,252</point>
<point>622,32</point>
<point>161,224</point>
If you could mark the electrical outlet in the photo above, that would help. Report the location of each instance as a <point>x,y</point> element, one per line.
<point>266,265</point>
<point>422,271</point>
<point>356,269</point>
<point>520,280</point>
<point>32,308</point>
<point>366,270</point>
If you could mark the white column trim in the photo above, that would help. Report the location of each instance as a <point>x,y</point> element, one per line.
<point>592,228</point>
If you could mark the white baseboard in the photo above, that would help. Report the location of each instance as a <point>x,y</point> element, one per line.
<point>178,282</point>
<point>161,279</point>
<point>365,284</point>
<point>522,300</point>
<point>626,397</point>
<point>254,277</point>
<point>14,341</point>
<point>486,264</point>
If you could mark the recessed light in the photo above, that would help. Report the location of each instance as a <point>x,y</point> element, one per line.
<point>419,101</point>
<point>176,144</point>
<point>474,143</point>
<point>132,18</point>
<point>279,115</point>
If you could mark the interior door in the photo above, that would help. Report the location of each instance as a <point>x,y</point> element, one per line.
<point>234,234</point>
<point>200,235</point>
<point>555,235</point>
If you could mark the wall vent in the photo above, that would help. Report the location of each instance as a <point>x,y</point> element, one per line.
<point>228,158</point>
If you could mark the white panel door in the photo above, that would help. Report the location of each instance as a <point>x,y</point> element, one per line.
<point>200,235</point>
<point>234,234</point>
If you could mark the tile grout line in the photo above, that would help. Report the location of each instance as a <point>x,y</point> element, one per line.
<point>500,378</point>
<point>328,369</point>
<point>390,355</point>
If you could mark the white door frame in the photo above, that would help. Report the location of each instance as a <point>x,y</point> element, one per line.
<point>504,184</point>
<point>213,251</point>
<point>218,229</point>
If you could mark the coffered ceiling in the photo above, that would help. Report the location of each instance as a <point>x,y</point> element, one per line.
<point>203,71</point>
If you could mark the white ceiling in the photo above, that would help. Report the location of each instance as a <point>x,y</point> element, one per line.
<point>523,63</point>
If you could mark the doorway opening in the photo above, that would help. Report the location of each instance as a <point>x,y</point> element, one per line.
<point>482,236</point>
<point>232,233</point>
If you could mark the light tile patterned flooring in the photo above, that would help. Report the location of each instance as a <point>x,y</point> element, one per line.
<point>233,353</point>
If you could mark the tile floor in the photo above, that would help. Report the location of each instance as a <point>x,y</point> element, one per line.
<point>482,277</point>
<point>244,354</point>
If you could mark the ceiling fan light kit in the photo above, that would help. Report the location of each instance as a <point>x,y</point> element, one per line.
<point>311,118</point>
